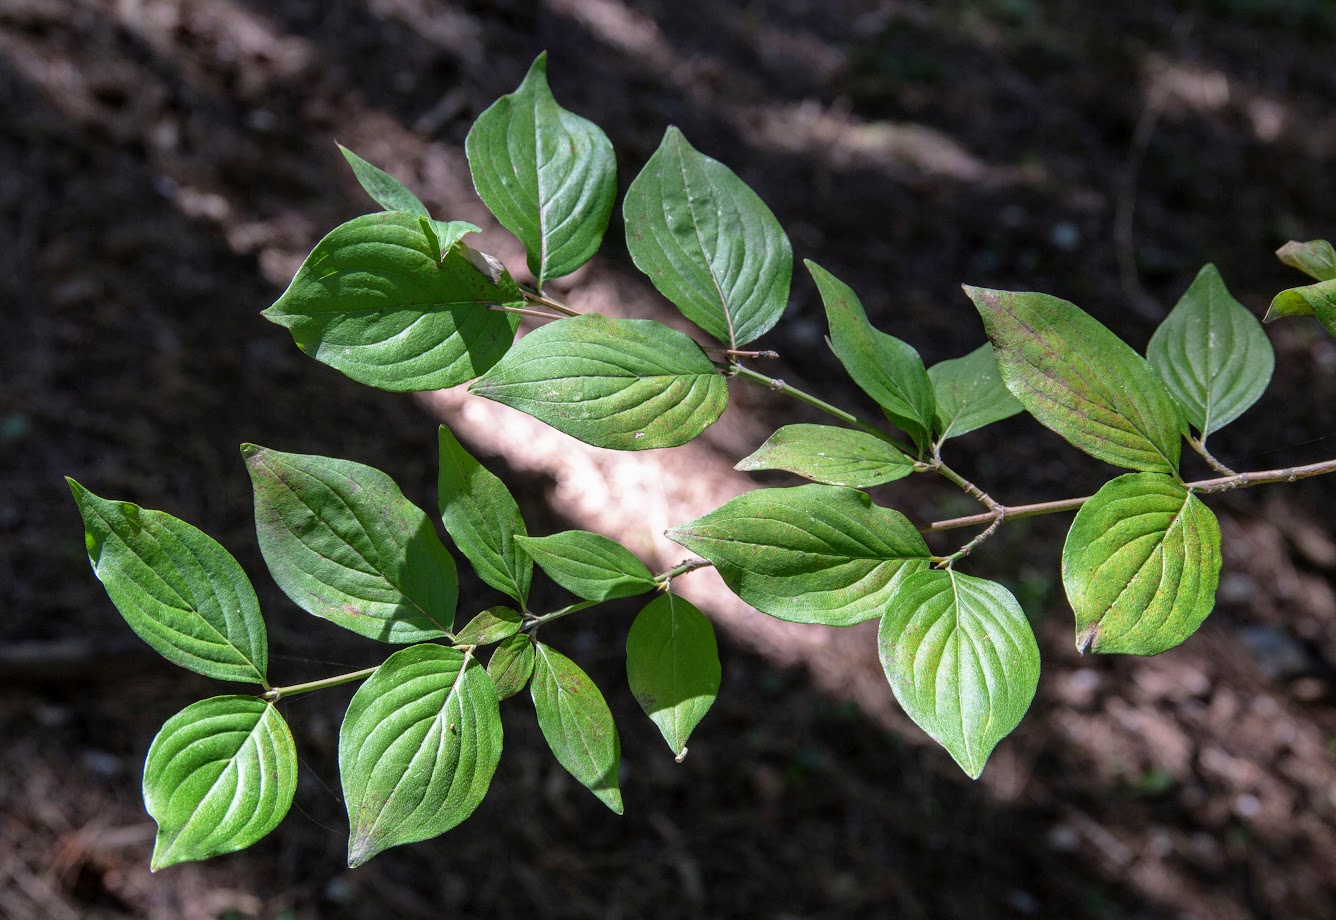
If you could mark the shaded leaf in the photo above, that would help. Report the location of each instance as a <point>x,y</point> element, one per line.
<point>220,774</point>
<point>179,590</point>
<point>492,625</point>
<point>344,544</point>
<point>1141,565</point>
<point>548,175</point>
<point>482,518</point>
<point>1080,380</point>
<point>885,368</point>
<point>1211,354</point>
<point>620,383</point>
<point>376,300</point>
<point>589,565</point>
<point>830,455</point>
<point>970,393</point>
<point>511,665</point>
<point>961,659</point>
<point>418,747</point>
<point>809,554</point>
<point>708,243</point>
<point>384,189</point>
<point>1316,258</point>
<point>672,665</point>
<point>577,724</point>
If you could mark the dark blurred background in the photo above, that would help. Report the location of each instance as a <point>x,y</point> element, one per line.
<point>166,164</point>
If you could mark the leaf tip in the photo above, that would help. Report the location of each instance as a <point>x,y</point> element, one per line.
<point>1087,638</point>
<point>361,847</point>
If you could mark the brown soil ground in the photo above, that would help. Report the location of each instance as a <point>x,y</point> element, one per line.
<point>164,165</point>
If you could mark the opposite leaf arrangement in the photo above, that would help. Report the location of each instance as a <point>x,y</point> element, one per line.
<point>398,301</point>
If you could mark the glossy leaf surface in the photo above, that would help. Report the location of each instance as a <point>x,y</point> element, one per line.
<point>577,724</point>
<point>1080,380</point>
<point>589,565</point>
<point>482,518</point>
<point>672,666</point>
<point>708,243</point>
<point>344,544</point>
<point>885,368</point>
<point>1212,354</point>
<point>179,590</point>
<point>970,393</point>
<point>961,659</point>
<point>418,747</point>
<point>619,383</point>
<point>548,175</point>
<point>809,554</point>
<point>220,774</point>
<point>830,455</point>
<point>376,300</point>
<point>1141,565</point>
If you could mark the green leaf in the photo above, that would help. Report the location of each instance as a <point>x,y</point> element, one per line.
<point>834,456</point>
<point>220,775</point>
<point>384,189</point>
<point>1316,258</point>
<point>577,724</point>
<point>1080,380</point>
<point>511,665</point>
<point>708,243</point>
<point>418,747</point>
<point>450,232</point>
<point>483,519</point>
<point>885,368</point>
<point>548,175</point>
<point>1212,354</point>
<point>1310,300</point>
<point>343,542</point>
<point>970,393</point>
<point>1141,565</point>
<point>672,665</point>
<point>961,659</point>
<point>179,590</point>
<point>589,566</point>
<point>622,383</point>
<point>809,554</point>
<point>492,625</point>
<point>376,300</point>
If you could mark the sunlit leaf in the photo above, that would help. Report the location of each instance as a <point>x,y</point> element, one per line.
<point>418,747</point>
<point>961,659</point>
<point>1212,354</point>
<point>708,243</point>
<point>343,542</point>
<point>179,590</point>
<point>810,554</point>
<point>589,565</point>
<point>220,774</point>
<point>548,175</point>
<point>377,301</point>
<point>1316,258</point>
<point>672,665</point>
<point>620,383</point>
<point>830,455</point>
<point>1141,565</point>
<point>1080,380</point>
<point>577,724</point>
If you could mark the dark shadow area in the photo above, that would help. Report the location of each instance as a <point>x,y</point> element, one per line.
<point>169,163</point>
